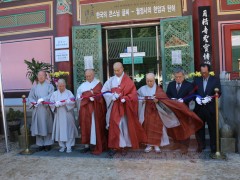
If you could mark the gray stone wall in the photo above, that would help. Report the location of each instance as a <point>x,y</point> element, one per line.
<point>230,106</point>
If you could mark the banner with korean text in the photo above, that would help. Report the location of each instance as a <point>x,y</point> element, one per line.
<point>126,10</point>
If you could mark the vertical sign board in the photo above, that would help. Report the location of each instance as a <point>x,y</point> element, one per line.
<point>204,13</point>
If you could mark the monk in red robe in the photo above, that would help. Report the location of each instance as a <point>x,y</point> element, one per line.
<point>122,118</point>
<point>92,114</point>
<point>162,117</point>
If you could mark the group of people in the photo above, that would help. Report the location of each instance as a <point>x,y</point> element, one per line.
<point>116,116</point>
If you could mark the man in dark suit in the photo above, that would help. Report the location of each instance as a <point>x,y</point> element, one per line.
<point>178,90</point>
<point>206,109</point>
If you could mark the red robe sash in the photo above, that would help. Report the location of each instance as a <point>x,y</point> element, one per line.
<point>137,135</point>
<point>189,121</point>
<point>85,118</point>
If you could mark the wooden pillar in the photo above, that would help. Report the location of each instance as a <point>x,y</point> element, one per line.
<point>196,32</point>
<point>64,28</point>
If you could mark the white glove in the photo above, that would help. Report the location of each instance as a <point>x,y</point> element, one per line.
<point>173,98</point>
<point>115,96</point>
<point>198,100</point>
<point>91,98</point>
<point>57,104</point>
<point>63,103</point>
<point>40,100</point>
<point>35,105</point>
<point>209,98</point>
<point>180,100</point>
<point>123,100</point>
<point>206,100</point>
<point>79,97</point>
<point>68,101</point>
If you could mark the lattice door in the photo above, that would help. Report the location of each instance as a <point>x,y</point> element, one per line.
<point>176,36</point>
<point>87,41</point>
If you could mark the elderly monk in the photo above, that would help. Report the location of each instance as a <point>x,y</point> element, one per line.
<point>122,120</point>
<point>42,118</point>
<point>92,114</point>
<point>64,128</point>
<point>157,111</point>
<point>151,114</point>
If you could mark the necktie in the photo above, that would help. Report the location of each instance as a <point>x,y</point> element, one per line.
<point>178,87</point>
<point>204,84</point>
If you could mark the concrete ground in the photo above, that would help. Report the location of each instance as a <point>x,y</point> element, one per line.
<point>136,165</point>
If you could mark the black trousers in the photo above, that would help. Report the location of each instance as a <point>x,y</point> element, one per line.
<point>209,118</point>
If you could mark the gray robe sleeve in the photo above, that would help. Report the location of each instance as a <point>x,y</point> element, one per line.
<point>31,96</point>
<point>141,106</point>
<point>50,92</point>
<point>52,99</point>
<point>71,104</point>
<point>78,100</point>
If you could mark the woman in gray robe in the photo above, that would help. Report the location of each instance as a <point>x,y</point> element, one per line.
<point>64,128</point>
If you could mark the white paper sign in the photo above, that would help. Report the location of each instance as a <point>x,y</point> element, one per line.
<point>236,40</point>
<point>137,54</point>
<point>88,62</point>
<point>176,57</point>
<point>129,49</point>
<point>61,42</point>
<point>62,55</point>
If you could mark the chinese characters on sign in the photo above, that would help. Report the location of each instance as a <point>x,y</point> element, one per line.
<point>112,11</point>
<point>61,42</point>
<point>205,34</point>
<point>62,55</point>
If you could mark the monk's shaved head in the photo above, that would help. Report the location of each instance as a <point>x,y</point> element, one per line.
<point>62,81</point>
<point>89,75</point>
<point>89,71</point>
<point>61,85</point>
<point>42,73</point>
<point>117,65</point>
<point>150,76</point>
<point>41,76</point>
<point>150,79</point>
<point>118,68</point>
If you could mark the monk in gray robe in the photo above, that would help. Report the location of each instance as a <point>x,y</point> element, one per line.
<point>64,128</point>
<point>42,119</point>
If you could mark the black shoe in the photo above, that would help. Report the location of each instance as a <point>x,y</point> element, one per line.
<point>199,149</point>
<point>124,152</point>
<point>213,151</point>
<point>41,148</point>
<point>47,148</point>
<point>184,149</point>
<point>84,150</point>
<point>112,152</point>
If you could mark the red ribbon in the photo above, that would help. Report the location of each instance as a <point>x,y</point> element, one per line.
<point>46,102</point>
